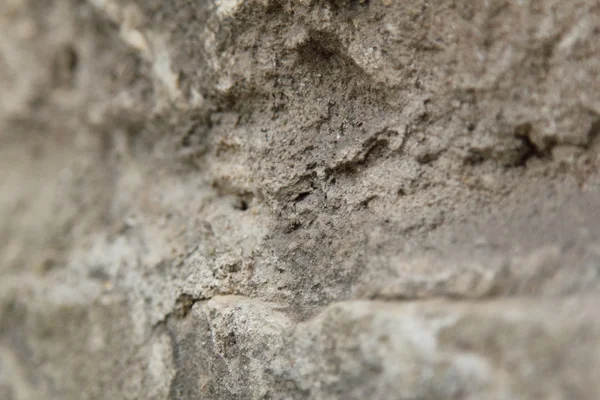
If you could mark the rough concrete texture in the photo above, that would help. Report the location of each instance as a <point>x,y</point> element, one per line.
<point>311,199</point>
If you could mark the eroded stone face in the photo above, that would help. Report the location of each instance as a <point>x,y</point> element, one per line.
<point>299,199</point>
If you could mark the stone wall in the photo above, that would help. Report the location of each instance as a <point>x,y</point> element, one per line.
<point>311,199</point>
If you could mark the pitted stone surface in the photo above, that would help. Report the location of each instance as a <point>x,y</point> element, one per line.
<point>299,199</point>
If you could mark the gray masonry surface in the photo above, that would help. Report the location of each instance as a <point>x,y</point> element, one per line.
<point>309,199</point>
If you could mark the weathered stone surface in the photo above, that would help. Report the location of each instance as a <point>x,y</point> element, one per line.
<point>299,199</point>
<point>234,346</point>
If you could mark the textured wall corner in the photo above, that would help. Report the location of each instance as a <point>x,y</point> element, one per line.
<point>275,199</point>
